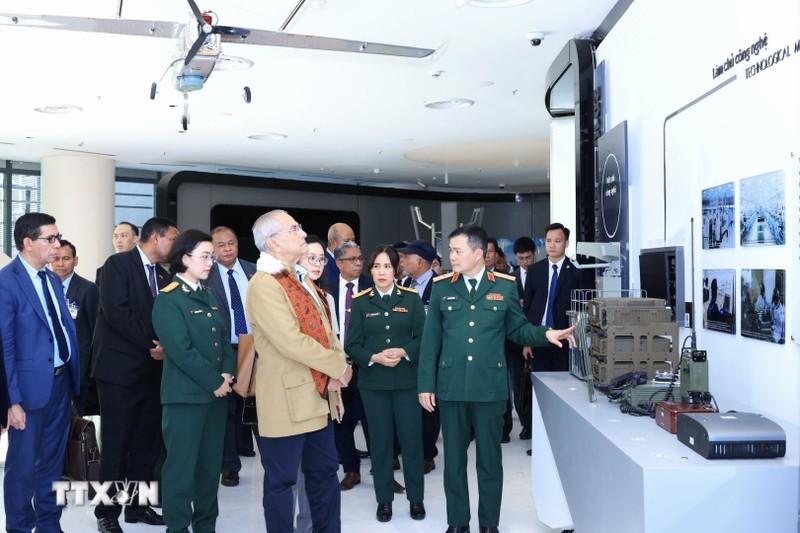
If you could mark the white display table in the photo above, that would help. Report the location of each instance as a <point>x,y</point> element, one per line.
<point>595,469</point>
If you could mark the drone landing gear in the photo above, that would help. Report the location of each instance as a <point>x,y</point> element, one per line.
<point>185,116</point>
<point>247,95</point>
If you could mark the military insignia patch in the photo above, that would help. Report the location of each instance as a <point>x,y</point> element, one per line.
<point>170,287</point>
<point>400,310</point>
<point>494,296</point>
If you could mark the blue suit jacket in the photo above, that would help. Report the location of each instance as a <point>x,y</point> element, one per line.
<point>28,341</point>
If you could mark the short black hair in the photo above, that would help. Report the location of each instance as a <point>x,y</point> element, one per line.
<point>184,245</point>
<point>29,226</point>
<point>556,226</point>
<point>65,242</point>
<point>134,227</point>
<point>492,240</point>
<point>388,249</point>
<point>159,225</point>
<point>476,237</point>
<point>524,244</point>
<point>313,239</point>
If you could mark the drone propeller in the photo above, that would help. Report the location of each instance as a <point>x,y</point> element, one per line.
<point>206,29</point>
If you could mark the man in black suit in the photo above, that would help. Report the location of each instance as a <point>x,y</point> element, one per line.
<point>415,259</point>
<point>228,283</point>
<point>338,234</point>
<point>525,253</point>
<point>349,283</point>
<point>127,362</point>
<point>83,299</point>
<point>547,305</point>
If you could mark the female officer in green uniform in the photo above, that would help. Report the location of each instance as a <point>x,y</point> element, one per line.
<point>197,375</point>
<point>383,338</point>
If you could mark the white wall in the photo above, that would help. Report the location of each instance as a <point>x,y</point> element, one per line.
<point>659,58</point>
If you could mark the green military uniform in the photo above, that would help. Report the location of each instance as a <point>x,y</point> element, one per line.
<point>390,393</point>
<point>197,351</point>
<point>462,361</point>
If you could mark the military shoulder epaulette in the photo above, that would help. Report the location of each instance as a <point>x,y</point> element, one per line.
<point>509,277</point>
<point>408,289</point>
<point>443,276</point>
<point>171,287</point>
<point>362,293</point>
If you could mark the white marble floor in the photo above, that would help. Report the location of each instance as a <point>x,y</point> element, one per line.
<point>241,510</point>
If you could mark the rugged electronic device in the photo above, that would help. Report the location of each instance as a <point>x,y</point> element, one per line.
<point>731,435</point>
<point>667,413</point>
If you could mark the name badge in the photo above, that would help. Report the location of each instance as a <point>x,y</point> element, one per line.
<point>370,315</point>
<point>449,298</point>
<point>196,312</point>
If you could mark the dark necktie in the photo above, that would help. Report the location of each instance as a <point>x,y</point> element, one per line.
<point>239,321</point>
<point>385,298</point>
<point>551,297</point>
<point>151,278</point>
<point>472,284</point>
<point>63,349</point>
<point>348,303</point>
<point>413,284</point>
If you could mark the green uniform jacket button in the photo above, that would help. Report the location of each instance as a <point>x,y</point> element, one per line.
<point>387,326</point>
<point>470,341</point>
<point>213,329</point>
<point>388,341</point>
<point>209,315</point>
<point>499,365</point>
<point>216,344</point>
<point>469,358</point>
<point>471,324</point>
<point>472,307</point>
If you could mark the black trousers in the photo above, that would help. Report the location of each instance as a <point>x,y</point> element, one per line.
<point>130,429</point>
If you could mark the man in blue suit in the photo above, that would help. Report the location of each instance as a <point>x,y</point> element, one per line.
<point>228,280</point>
<point>43,373</point>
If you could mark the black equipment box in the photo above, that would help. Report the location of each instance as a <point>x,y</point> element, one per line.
<point>731,435</point>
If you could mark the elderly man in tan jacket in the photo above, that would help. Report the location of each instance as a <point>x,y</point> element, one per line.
<point>301,367</point>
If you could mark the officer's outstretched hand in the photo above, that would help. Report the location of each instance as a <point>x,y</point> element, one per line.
<point>428,401</point>
<point>555,336</point>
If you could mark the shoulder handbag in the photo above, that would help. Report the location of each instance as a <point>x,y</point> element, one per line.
<point>246,374</point>
<point>82,457</point>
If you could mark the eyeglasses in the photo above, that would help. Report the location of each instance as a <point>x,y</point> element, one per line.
<point>352,260</point>
<point>319,260</point>
<point>206,258</point>
<point>51,239</point>
<point>293,229</point>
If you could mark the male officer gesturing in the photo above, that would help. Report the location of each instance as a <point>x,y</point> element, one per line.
<point>463,370</point>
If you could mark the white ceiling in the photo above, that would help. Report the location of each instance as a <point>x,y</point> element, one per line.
<point>347,116</point>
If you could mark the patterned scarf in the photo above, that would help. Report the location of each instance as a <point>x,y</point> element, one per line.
<point>311,323</point>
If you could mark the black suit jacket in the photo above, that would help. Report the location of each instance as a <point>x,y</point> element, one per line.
<point>364,282</point>
<point>124,333</point>
<point>331,270</point>
<point>85,295</point>
<point>536,292</point>
<point>215,284</point>
<point>426,294</point>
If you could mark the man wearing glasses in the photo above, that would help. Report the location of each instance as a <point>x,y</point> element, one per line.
<point>301,367</point>
<point>350,282</point>
<point>228,283</point>
<point>43,369</point>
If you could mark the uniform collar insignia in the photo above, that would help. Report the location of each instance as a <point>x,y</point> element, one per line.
<point>455,277</point>
<point>490,276</point>
<point>185,289</point>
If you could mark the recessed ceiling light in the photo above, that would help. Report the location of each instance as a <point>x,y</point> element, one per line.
<point>58,109</point>
<point>453,103</point>
<point>267,136</point>
<point>496,3</point>
<point>226,62</point>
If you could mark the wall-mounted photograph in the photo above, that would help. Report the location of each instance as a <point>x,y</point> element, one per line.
<point>719,300</point>
<point>763,306</point>
<point>763,210</point>
<point>719,217</point>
